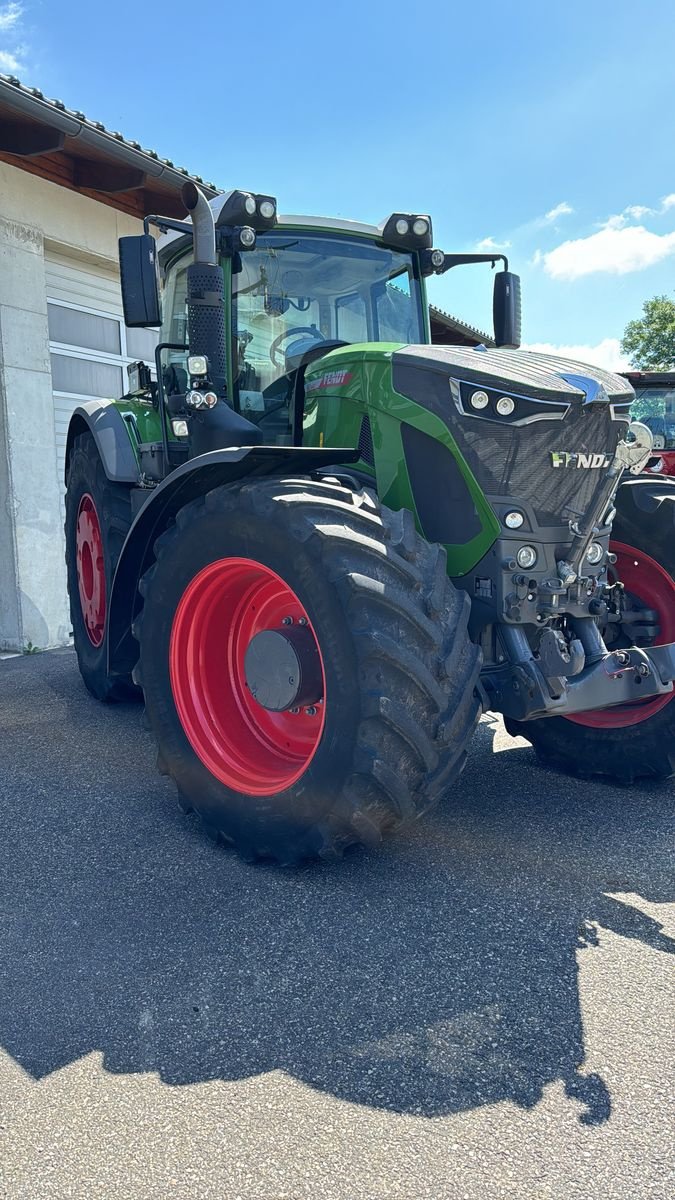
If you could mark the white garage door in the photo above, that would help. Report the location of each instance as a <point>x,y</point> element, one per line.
<point>88,340</point>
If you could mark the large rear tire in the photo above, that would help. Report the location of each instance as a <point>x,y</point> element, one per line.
<point>626,742</point>
<point>391,673</point>
<point>98,517</point>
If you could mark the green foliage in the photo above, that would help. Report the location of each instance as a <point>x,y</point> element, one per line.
<point>650,341</point>
<point>646,406</point>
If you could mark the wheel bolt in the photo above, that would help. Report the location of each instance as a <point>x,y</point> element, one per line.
<point>295,711</point>
<point>287,621</point>
<point>302,620</point>
<point>311,711</point>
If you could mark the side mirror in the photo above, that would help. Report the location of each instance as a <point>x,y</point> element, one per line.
<point>506,309</point>
<point>140,281</point>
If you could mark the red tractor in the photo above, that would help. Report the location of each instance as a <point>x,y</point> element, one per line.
<point>655,407</point>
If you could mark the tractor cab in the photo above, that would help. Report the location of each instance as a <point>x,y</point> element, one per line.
<point>247,301</point>
<point>296,295</point>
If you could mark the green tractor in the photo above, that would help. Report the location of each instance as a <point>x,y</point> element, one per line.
<point>321,546</point>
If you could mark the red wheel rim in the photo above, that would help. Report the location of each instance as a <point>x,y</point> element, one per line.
<point>247,747</point>
<point>90,569</point>
<point>651,585</point>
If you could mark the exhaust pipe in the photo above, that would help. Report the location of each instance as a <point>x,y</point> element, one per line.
<point>217,427</point>
<point>205,293</point>
<point>204,227</point>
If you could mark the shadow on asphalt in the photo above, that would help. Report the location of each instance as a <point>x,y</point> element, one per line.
<point>432,977</point>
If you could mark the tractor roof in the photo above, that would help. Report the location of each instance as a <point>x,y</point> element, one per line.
<point>305,222</point>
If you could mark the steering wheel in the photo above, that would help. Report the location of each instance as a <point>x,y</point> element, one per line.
<point>290,333</point>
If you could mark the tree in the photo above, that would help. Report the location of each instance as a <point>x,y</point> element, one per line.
<point>650,341</point>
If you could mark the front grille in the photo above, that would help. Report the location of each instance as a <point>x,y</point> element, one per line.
<point>516,461</point>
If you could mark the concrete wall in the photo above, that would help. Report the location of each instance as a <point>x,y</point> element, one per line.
<point>33,212</point>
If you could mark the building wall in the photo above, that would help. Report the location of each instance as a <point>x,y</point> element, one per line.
<point>37,216</point>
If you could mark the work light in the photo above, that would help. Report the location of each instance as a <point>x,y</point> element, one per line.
<point>197,364</point>
<point>410,231</point>
<point>246,208</point>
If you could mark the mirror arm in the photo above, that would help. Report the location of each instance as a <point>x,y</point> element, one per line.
<point>458,260</point>
<point>166,223</point>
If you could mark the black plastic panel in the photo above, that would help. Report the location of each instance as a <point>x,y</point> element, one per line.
<point>443,501</point>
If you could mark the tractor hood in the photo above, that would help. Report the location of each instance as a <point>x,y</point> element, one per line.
<point>536,376</point>
<point>531,427</point>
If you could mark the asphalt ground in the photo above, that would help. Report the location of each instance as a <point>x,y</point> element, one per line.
<point>484,1008</point>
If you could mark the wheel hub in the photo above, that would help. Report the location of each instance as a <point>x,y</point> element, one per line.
<point>283,669</point>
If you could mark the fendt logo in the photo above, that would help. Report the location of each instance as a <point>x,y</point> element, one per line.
<point>560,458</point>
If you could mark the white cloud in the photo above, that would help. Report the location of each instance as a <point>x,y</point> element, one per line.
<point>617,250</point>
<point>9,62</point>
<point>606,354</point>
<point>10,15</point>
<point>638,211</point>
<point>11,56</point>
<point>489,243</point>
<point>668,202</point>
<point>561,210</point>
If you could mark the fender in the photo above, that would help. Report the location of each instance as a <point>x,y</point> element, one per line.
<point>108,429</point>
<point>194,478</point>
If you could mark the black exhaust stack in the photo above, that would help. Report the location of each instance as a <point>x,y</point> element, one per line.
<point>205,293</point>
<point>218,427</point>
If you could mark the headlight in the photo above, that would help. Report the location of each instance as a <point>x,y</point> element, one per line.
<point>526,557</point>
<point>594,553</point>
<point>513,520</point>
<point>247,237</point>
<point>267,209</point>
<point>505,406</point>
<point>180,428</point>
<point>479,400</point>
<point>420,227</point>
<point>402,227</point>
<point>249,205</point>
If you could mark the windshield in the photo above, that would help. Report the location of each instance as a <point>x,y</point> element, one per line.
<point>295,291</point>
<point>655,407</point>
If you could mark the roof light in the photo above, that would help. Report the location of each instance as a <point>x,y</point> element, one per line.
<point>407,230</point>
<point>246,208</point>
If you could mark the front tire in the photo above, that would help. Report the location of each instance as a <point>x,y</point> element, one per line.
<point>634,741</point>
<point>390,704</point>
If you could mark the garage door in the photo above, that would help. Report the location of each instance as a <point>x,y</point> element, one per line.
<point>88,340</point>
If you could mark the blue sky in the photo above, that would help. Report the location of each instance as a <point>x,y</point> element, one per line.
<point>546,128</point>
